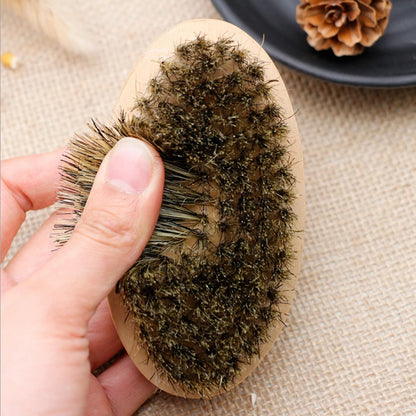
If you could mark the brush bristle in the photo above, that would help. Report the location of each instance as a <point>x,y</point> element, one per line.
<point>207,288</point>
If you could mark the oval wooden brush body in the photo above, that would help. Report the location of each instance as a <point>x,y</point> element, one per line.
<point>147,68</point>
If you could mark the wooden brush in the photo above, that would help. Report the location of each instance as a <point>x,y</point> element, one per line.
<point>211,292</point>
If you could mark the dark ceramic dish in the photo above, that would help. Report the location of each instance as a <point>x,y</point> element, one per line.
<point>391,62</point>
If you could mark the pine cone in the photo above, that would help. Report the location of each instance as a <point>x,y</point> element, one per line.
<point>346,26</point>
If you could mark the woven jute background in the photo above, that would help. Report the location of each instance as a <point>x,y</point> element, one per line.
<point>350,344</point>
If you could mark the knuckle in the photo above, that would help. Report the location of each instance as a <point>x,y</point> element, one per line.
<point>108,228</point>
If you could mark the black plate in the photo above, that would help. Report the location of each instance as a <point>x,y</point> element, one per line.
<point>391,62</point>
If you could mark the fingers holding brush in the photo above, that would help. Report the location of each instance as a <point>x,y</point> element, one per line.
<point>116,224</point>
<point>103,340</point>
<point>49,315</point>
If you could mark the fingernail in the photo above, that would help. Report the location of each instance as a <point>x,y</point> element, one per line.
<point>130,166</point>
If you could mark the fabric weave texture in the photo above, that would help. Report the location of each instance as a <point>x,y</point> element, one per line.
<point>350,344</point>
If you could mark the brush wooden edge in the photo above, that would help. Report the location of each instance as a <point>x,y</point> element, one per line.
<point>146,68</point>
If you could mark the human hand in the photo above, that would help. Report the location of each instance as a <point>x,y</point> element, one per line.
<point>56,325</point>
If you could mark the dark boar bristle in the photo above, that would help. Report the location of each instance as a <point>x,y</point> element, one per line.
<point>208,286</point>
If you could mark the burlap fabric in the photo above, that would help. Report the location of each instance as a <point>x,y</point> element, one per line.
<point>350,344</point>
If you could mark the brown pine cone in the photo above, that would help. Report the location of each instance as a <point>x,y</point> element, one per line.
<point>345,26</point>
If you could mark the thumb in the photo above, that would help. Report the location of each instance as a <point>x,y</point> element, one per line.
<point>114,228</point>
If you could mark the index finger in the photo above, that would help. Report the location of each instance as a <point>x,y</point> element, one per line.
<point>28,182</point>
